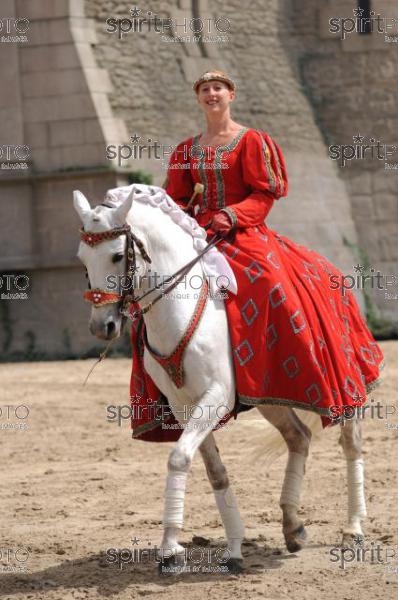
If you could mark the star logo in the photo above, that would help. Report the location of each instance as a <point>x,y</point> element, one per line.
<point>357,397</point>
<point>135,541</point>
<point>358,540</point>
<point>358,12</point>
<point>358,139</point>
<point>135,138</point>
<point>135,12</point>
<point>359,268</point>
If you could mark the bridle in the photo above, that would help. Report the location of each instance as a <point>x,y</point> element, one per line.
<point>99,297</point>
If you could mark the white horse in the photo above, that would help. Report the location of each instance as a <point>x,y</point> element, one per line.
<point>171,238</point>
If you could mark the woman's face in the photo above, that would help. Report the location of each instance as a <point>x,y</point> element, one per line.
<point>214,96</point>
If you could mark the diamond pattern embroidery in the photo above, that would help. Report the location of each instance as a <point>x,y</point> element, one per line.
<point>244,353</point>
<point>277,295</point>
<point>291,366</point>
<point>367,355</point>
<point>350,387</point>
<point>249,312</point>
<point>297,322</point>
<point>229,250</point>
<point>272,260</point>
<point>347,351</point>
<point>345,298</point>
<point>313,394</point>
<point>271,336</point>
<point>361,375</point>
<point>375,350</point>
<point>324,266</point>
<point>316,361</point>
<point>333,305</point>
<point>311,270</point>
<point>346,323</point>
<point>257,271</point>
<point>282,243</point>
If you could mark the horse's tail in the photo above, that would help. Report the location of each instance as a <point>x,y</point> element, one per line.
<point>268,443</point>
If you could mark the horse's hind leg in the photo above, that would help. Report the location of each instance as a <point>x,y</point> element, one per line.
<point>351,441</point>
<point>297,437</point>
<point>226,503</point>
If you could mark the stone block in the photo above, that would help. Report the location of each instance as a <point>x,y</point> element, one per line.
<point>37,135</point>
<point>56,57</point>
<point>65,108</point>
<point>384,181</point>
<point>16,211</point>
<point>10,95</point>
<point>360,185</point>
<point>12,126</point>
<point>53,83</point>
<point>50,9</point>
<point>66,133</point>
<point>100,131</point>
<point>362,207</point>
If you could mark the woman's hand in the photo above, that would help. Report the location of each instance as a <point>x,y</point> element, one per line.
<point>221,223</point>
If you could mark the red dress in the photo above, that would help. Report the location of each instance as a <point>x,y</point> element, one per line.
<point>296,340</point>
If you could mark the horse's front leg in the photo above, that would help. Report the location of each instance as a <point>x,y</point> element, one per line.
<point>226,503</point>
<point>205,416</point>
<point>351,440</point>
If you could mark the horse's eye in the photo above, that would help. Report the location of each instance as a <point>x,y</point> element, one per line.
<point>117,257</point>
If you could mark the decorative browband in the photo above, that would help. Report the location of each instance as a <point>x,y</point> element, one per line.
<point>92,239</point>
<point>98,297</point>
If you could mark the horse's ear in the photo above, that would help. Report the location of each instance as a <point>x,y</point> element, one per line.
<point>81,204</point>
<point>123,210</point>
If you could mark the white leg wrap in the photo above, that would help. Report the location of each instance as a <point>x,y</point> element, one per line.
<point>294,474</point>
<point>233,524</point>
<point>356,492</point>
<point>174,499</point>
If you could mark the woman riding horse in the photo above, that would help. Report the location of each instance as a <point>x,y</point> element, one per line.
<point>297,340</point>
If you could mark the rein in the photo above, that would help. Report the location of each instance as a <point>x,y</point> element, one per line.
<point>179,275</point>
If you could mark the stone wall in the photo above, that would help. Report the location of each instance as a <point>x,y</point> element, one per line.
<point>73,88</point>
<point>351,85</point>
<point>53,100</point>
<point>152,81</point>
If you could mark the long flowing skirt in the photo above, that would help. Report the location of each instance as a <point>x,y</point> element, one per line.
<point>297,336</point>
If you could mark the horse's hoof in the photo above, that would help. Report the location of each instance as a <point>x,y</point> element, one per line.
<point>234,566</point>
<point>352,540</point>
<point>295,539</point>
<point>172,565</point>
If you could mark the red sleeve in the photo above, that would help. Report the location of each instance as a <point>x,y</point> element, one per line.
<point>179,184</point>
<point>264,172</point>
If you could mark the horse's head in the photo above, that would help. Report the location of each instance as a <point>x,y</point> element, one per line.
<point>104,255</point>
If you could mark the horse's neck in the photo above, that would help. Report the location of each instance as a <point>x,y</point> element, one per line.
<point>170,248</point>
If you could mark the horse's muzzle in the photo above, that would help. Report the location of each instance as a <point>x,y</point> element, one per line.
<point>106,329</point>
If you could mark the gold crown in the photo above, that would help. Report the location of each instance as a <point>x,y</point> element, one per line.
<point>210,76</point>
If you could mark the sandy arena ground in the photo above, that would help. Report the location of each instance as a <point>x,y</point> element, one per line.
<point>75,485</point>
